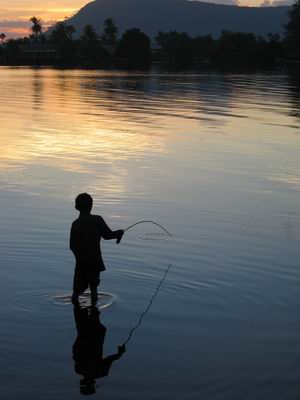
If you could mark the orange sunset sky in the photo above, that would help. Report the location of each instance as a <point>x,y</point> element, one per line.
<point>14,14</point>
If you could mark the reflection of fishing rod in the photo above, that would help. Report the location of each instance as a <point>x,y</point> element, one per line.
<point>152,222</point>
<point>149,306</point>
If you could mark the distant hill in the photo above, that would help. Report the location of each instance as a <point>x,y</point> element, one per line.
<point>193,17</point>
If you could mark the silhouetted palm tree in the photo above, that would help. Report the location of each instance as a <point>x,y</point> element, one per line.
<point>91,47</point>
<point>36,28</point>
<point>70,30</point>
<point>88,34</point>
<point>293,30</point>
<point>135,46</point>
<point>2,37</point>
<point>293,25</point>
<point>110,33</point>
<point>62,33</point>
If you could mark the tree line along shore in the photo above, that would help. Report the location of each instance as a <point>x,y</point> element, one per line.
<point>62,46</point>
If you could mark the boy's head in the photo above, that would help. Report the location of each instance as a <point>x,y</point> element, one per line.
<point>84,202</point>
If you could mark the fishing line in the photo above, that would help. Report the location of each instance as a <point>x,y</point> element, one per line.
<point>151,222</point>
<point>149,306</point>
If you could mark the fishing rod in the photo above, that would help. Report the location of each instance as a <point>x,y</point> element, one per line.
<point>151,222</point>
<point>148,307</point>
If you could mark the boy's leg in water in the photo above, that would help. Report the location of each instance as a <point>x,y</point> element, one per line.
<point>80,284</point>
<point>93,284</point>
<point>94,293</point>
<point>75,297</point>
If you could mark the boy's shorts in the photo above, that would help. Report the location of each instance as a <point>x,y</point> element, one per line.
<point>83,280</point>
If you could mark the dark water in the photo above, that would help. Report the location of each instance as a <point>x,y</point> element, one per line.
<point>212,157</point>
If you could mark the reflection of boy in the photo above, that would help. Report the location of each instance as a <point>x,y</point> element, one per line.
<point>85,236</point>
<point>88,348</point>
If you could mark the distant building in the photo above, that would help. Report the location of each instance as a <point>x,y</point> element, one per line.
<point>39,51</point>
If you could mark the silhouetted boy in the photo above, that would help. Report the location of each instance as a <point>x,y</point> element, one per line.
<point>86,233</point>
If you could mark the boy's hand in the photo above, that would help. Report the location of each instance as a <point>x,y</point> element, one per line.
<point>120,234</point>
<point>121,349</point>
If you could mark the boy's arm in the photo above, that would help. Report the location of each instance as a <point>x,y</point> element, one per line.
<point>116,356</point>
<point>73,240</point>
<point>107,233</point>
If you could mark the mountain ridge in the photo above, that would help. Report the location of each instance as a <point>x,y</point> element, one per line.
<point>193,17</point>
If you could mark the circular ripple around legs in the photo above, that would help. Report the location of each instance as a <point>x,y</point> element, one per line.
<point>152,236</point>
<point>104,299</point>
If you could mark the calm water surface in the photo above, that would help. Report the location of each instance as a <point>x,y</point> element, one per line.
<point>212,157</point>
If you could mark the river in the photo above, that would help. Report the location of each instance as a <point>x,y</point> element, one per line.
<point>212,157</point>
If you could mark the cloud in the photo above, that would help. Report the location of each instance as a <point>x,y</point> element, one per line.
<point>277,3</point>
<point>14,28</point>
<point>226,2</point>
<point>14,24</point>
